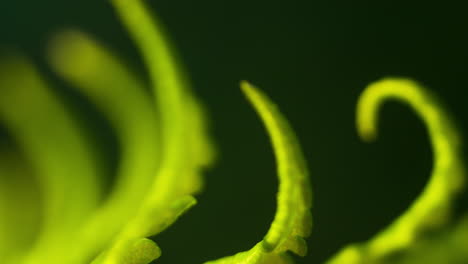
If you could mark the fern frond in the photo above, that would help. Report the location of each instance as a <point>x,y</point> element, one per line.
<point>293,221</point>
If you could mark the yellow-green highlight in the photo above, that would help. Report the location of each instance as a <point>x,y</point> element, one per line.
<point>19,188</point>
<point>162,132</point>
<point>121,96</point>
<point>432,209</point>
<point>164,145</point>
<point>185,150</point>
<point>176,104</point>
<point>61,156</point>
<point>292,222</point>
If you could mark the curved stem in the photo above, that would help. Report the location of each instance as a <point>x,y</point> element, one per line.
<point>433,206</point>
<point>293,220</point>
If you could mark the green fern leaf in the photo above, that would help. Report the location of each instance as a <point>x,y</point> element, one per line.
<point>292,222</point>
<point>431,210</point>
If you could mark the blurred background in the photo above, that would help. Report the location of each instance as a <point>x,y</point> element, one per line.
<point>313,58</point>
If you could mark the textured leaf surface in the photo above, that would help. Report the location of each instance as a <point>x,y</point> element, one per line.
<point>184,147</point>
<point>164,144</point>
<point>292,220</point>
<point>121,96</point>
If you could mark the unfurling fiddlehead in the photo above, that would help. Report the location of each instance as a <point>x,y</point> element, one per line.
<point>431,210</point>
<point>165,148</point>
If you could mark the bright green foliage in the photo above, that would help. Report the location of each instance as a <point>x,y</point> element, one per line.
<point>293,219</point>
<point>446,246</point>
<point>164,147</point>
<point>184,148</point>
<point>54,174</point>
<point>122,98</point>
<point>18,190</point>
<point>59,154</point>
<point>431,210</point>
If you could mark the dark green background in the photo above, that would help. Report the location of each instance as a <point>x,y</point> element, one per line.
<point>313,58</point>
